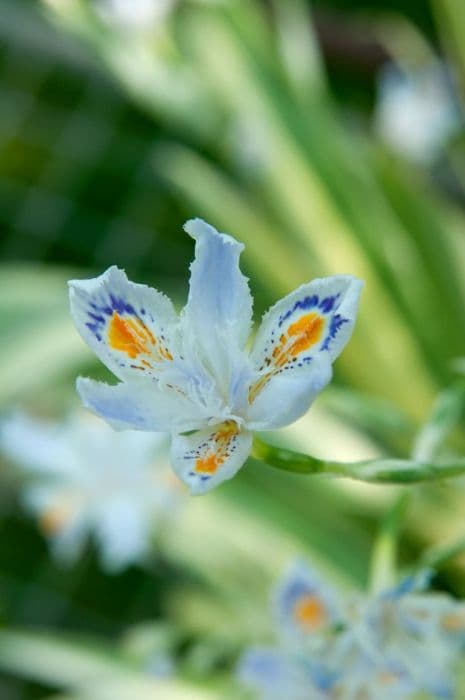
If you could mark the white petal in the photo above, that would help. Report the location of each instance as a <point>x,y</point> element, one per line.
<point>67,545</point>
<point>139,406</point>
<point>95,442</point>
<point>34,444</point>
<point>218,314</point>
<point>298,339</point>
<point>61,517</point>
<point>332,304</point>
<point>130,327</point>
<point>123,531</point>
<point>208,457</point>
<point>288,395</point>
<point>275,674</point>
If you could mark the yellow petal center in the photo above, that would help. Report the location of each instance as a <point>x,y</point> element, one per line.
<point>310,612</point>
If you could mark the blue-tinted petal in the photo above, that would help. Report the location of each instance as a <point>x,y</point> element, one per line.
<point>277,675</point>
<point>218,316</point>
<point>139,406</point>
<point>410,584</point>
<point>210,456</point>
<point>298,339</point>
<point>35,445</point>
<point>288,395</point>
<point>130,327</point>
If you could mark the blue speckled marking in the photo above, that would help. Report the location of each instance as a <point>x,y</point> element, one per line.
<point>121,306</point>
<point>95,330</point>
<point>99,319</point>
<point>302,361</point>
<point>98,313</point>
<point>297,589</point>
<point>336,323</point>
<point>324,678</point>
<point>304,304</point>
<point>326,305</point>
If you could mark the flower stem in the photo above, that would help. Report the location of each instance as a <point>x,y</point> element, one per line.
<point>377,471</point>
<point>383,561</point>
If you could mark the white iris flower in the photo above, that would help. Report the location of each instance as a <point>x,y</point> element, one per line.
<point>332,647</point>
<point>86,479</point>
<point>193,374</point>
<point>134,14</point>
<point>416,112</point>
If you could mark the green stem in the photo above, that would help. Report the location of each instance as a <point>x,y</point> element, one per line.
<point>383,561</point>
<point>376,471</point>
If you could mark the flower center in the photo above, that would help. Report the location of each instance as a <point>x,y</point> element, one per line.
<point>310,612</point>
<point>55,518</point>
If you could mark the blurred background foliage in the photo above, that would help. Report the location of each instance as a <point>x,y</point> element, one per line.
<point>259,117</point>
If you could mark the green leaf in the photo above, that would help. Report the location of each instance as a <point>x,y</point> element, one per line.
<point>437,556</point>
<point>451,19</point>
<point>383,561</point>
<point>448,409</point>
<point>299,48</point>
<point>89,672</point>
<point>39,340</point>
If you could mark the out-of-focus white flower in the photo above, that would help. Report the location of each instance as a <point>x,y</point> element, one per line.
<point>307,610</point>
<point>193,374</point>
<point>277,674</point>
<point>404,636</point>
<point>332,647</point>
<point>134,14</point>
<point>84,478</point>
<point>416,112</point>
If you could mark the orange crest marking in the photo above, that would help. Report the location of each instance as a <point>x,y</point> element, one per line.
<point>54,519</point>
<point>131,335</point>
<point>387,678</point>
<point>454,622</point>
<point>310,613</point>
<point>307,332</point>
<point>218,450</point>
<point>208,464</point>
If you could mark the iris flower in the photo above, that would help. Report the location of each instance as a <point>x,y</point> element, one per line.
<point>417,112</point>
<point>134,14</point>
<point>85,479</point>
<point>334,647</point>
<point>193,374</point>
